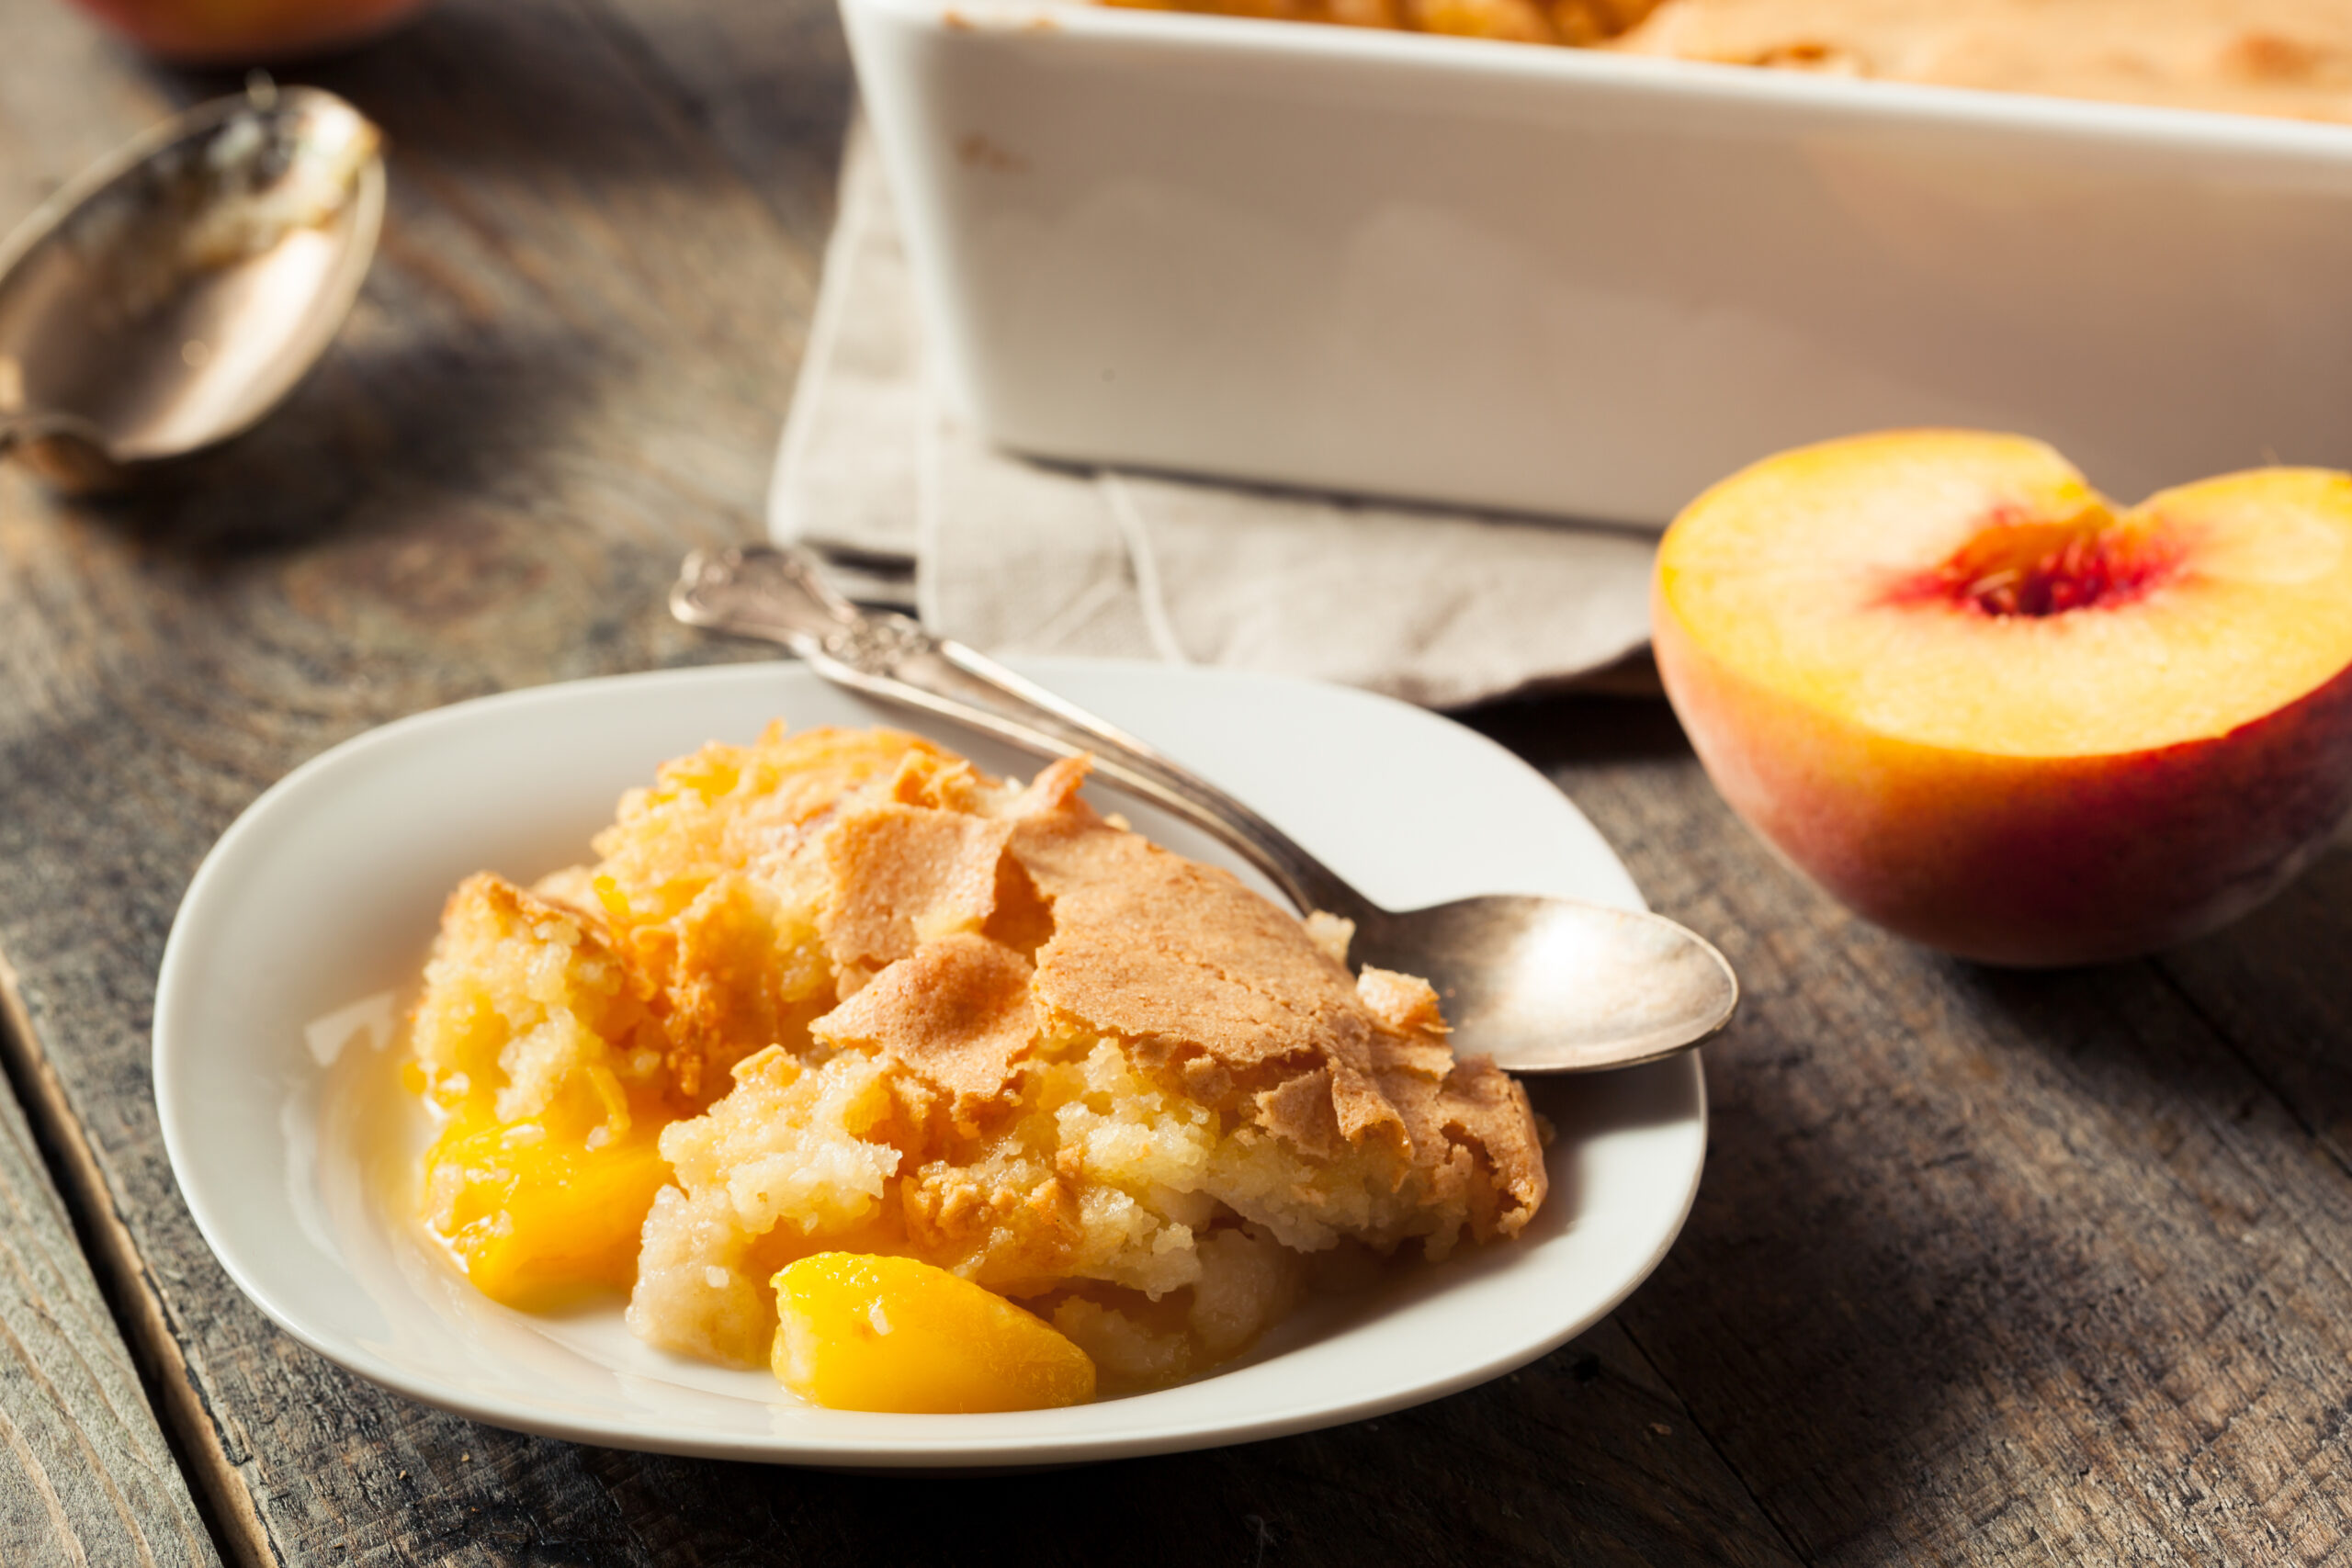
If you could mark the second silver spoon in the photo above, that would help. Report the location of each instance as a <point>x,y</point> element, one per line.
<point>167,298</point>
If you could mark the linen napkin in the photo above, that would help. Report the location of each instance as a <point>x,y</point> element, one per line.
<point>912,508</point>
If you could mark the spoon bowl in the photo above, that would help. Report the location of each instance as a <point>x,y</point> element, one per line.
<point>1540,985</point>
<point>1553,985</point>
<point>170,296</point>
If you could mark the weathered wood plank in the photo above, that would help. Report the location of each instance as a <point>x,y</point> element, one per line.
<point>1987,1269</point>
<point>85,1476</point>
<point>771,90</point>
<point>2255,983</point>
<point>570,365</point>
<point>1998,1268</point>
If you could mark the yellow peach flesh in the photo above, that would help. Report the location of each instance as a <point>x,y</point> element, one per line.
<point>533,1214</point>
<point>1788,573</point>
<point>857,1332</point>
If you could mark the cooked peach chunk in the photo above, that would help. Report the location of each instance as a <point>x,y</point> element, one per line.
<point>895,1333</point>
<point>534,1216</point>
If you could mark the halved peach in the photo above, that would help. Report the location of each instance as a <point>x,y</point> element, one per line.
<point>1988,711</point>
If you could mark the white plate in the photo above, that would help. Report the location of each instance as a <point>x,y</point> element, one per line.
<point>301,936</point>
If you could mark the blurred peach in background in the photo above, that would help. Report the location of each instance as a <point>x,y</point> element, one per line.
<point>248,32</point>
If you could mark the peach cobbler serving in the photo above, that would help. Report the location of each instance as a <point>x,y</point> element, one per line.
<point>843,1048</point>
<point>2288,58</point>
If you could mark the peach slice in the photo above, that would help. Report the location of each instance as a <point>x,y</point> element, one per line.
<point>534,1216</point>
<point>856,1331</point>
<point>1988,711</point>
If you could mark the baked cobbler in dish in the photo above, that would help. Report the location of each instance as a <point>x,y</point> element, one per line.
<point>2288,58</point>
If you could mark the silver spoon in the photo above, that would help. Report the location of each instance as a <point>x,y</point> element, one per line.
<point>168,298</point>
<point>1541,984</point>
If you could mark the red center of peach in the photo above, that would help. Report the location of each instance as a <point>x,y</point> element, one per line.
<point>2016,566</point>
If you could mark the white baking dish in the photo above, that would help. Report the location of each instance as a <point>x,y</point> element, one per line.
<point>1534,279</point>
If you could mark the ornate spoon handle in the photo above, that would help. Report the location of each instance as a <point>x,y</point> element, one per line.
<point>777,595</point>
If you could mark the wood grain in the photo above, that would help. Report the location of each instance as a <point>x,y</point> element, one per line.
<point>570,365</point>
<point>85,1477</point>
<point>1987,1269</point>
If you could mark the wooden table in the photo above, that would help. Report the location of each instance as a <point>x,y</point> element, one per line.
<point>1986,1267</point>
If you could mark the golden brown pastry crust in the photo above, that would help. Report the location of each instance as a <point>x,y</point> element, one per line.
<point>956,1013</point>
<point>1212,986</point>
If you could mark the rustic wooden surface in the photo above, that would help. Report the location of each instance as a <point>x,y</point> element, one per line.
<point>1987,1269</point>
<point>85,1477</point>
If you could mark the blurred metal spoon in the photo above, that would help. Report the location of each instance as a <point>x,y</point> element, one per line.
<point>1541,984</point>
<point>168,298</point>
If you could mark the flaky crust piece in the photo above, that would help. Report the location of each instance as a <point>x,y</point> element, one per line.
<point>1209,987</point>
